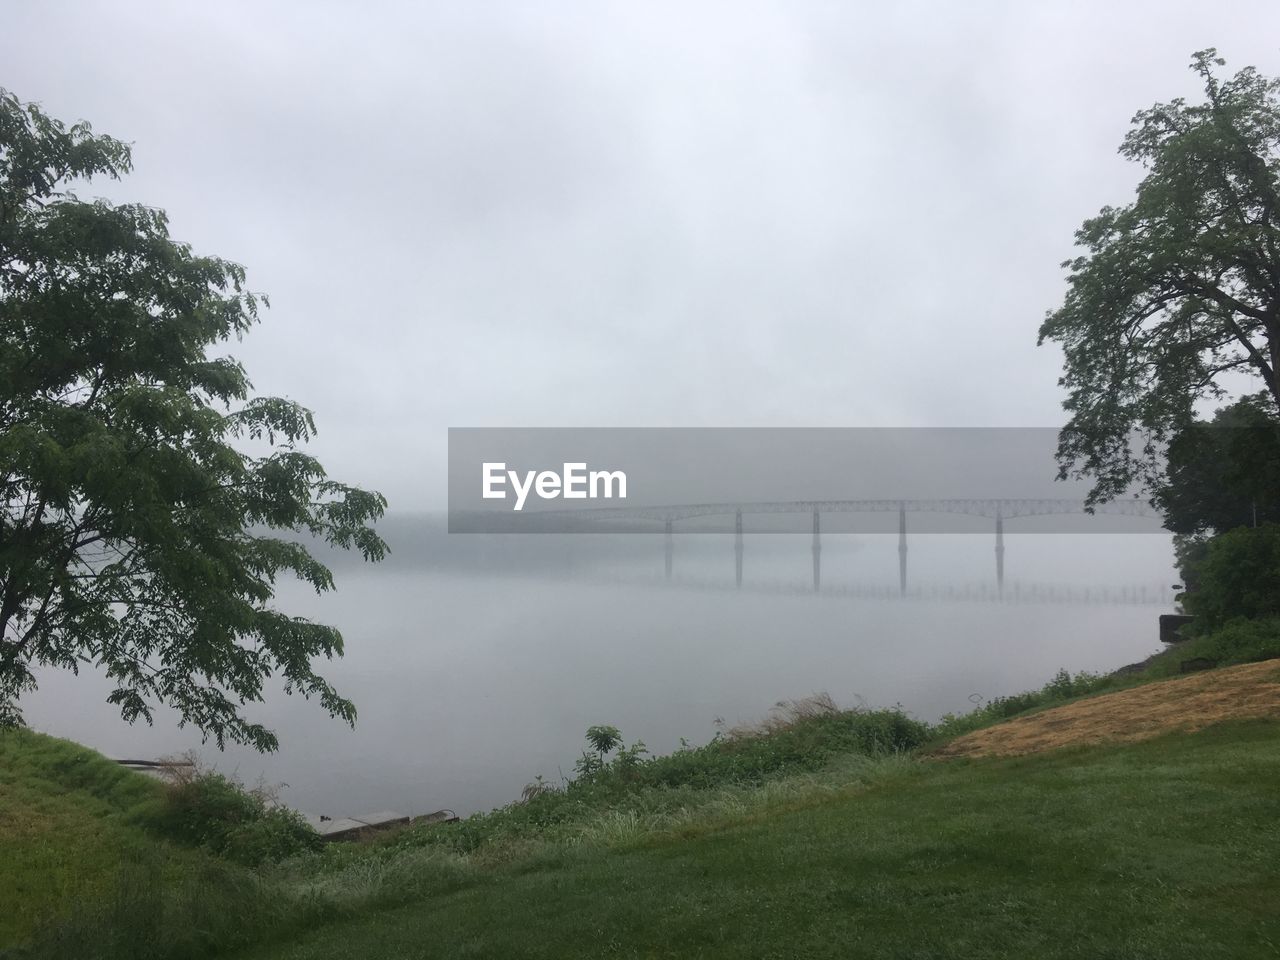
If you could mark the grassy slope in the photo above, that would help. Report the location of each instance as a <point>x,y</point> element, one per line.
<point>1240,643</point>
<point>83,862</point>
<point>1158,850</point>
<point>1162,849</point>
<point>67,818</point>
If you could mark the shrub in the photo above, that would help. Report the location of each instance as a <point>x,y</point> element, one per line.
<point>1238,641</point>
<point>217,813</point>
<point>1237,576</point>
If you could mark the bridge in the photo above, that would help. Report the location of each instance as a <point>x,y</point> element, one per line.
<point>998,510</point>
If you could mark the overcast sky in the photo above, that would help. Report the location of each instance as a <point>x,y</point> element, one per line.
<point>563,214</point>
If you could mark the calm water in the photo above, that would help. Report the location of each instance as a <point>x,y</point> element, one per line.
<point>470,685</point>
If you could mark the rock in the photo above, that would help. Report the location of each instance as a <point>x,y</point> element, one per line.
<point>1170,624</point>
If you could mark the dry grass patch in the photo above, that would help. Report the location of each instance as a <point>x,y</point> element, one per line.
<point>1248,691</point>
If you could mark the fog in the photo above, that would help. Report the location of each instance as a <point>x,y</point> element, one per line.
<point>475,671</point>
<point>791,214</point>
<point>775,214</point>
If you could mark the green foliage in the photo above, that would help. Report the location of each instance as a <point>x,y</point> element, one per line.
<point>1240,641</point>
<point>1189,551</point>
<point>1179,287</point>
<point>1237,641</point>
<point>634,780</point>
<point>1223,473</point>
<point>215,812</point>
<point>629,758</point>
<point>603,739</point>
<point>134,533</point>
<point>1237,577</point>
<point>1064,686</point>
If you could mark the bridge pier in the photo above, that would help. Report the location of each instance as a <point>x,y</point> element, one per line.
<point>999,553</point>
<point>737,547</point>
<point>669,548</point>
<point>817,554</point>
<point>902,550</point>
<point>987,508</point>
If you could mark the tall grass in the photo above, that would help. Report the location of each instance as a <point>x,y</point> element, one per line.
<point>661,812</point>
<point>246,825</point>
<point>796,738</point>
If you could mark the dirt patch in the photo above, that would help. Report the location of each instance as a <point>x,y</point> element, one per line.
<point>1185,703</point>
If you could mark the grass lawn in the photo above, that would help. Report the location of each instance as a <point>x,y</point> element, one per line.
<point>819,836</point>
<point>66,821</point>
<point>1167,848</point>
<point>80,856</point>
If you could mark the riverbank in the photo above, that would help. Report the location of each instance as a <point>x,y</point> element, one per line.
<point>1165,849</point>
<point>819,832</point>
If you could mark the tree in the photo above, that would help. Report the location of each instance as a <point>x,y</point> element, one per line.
<point>134,535</point>
<point>1238,574</point>
<point>1225,472</point>
<point>1178,289</point>
<point>603,739</point>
